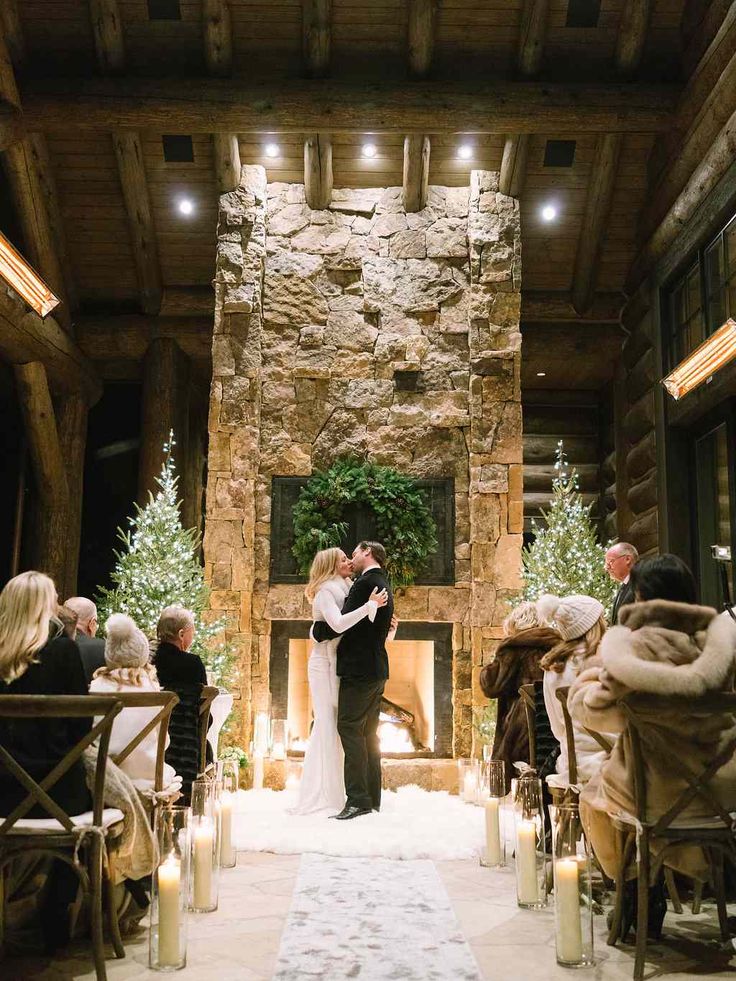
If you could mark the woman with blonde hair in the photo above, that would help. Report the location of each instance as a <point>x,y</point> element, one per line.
<point>323,784</point>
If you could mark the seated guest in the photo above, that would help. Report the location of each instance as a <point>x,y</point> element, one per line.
<point>68,619</point>
<point>665,645</point>
<point>527,640</point>
<point>128,669</point>
<point>580,622</point>
<point>181,671</point>
<point>91,648</point>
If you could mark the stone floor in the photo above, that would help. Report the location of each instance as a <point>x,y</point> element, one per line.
<point>241,940</point>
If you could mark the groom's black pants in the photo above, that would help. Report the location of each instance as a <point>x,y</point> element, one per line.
<point>357,722</point>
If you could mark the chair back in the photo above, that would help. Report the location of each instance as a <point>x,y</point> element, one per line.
<point>526,694</point>
<point>646,738</point>
<point>209,694</point>
<point>21,707</point>
<point>572,759</point>
<point>165,702</point>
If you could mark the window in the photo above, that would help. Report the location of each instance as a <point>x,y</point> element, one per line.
<point>440,492</point>
<point>178,149</point>
<point>559,153</point>
<point>686,314</point>
<point>583,13</point>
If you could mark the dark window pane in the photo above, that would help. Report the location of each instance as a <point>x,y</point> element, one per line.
<point>714,274</point>
<point>583,13</point>
<point>729,245</point>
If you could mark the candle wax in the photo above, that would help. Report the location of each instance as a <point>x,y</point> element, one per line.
<point>526,862</point>
<point>493,832</point>
<point>567,906</point>
<point>203,839</point>
<point>169,876</point>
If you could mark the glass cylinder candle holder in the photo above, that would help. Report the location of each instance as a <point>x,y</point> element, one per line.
<point>529,842</point>
<point>204,880</point>
<point>572,876</point>
<point>229,769</point>
<point>261,733</point>
<point>493,791</point>
<point>279,739</point>
<point>293,774</point>
<point>468,775</point>
<point>167,938</point>
<point>228,790</point>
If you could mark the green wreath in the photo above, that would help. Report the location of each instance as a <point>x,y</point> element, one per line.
<point>404,523</point>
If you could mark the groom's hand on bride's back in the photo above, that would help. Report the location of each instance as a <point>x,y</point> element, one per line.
<point>322,631</point>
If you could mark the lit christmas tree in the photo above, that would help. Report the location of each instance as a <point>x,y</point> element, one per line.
<point>159,567</point>
<point>566,557</point>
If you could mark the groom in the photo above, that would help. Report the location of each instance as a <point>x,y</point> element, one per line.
<point>362,666</point>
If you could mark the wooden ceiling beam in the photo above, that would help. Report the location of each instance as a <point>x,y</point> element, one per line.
<point>632,36</point>
<point>420,36</point>
<point>132,171</point>
<point>127,337</point>
<point>552,306</point>
<point>218,37</point>
<point>416,172</point>
<point>318,171</point>
<point>39,422</point>
<point>227,160</point>
<point>598,201</point>
<point>10,27</point>
<point>107,30</point>
<point>299,105</point>
<point>316,37</point>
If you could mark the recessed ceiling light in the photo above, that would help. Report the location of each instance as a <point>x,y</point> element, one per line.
<point>465,151</point>
<point>541,374</point>
<point>549,212</point>
<point>186,206</point>
<point>369,150</point>
<point>272,150</point>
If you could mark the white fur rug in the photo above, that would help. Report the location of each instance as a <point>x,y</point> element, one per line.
<point>372,919</point>
<point>412,824</point>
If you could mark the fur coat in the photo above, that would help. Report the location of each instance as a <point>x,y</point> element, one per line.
<point>516,664</point>
<point>662,648</point>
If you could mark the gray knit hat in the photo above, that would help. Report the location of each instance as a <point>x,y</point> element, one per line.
<point>125,645</point>
<point>571,616</point>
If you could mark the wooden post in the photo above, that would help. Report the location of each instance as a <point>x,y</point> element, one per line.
<point>192,469</point>
<point>316,36</point>
<point>318,171</point>
<point>10,26</point>
<point>513,165</point>
<point>422,17</point>
<point>597,208</point>
<point>107,30</point>
<point>416,172</point>
<point>218,37</point>
<point>133,181</point>
<point>165,406</point>
<point>532,35</point>
<point>72,424</point>
<point>632,36</point>
<point>47,461</point>
<point>227,160</point>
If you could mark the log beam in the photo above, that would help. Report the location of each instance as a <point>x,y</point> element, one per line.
<point>420,41</point>
<point>318,171</point>
<point>316,37</point>
<point>72,425</point>
<point>532,36</point>
<point>107,30</point>
<point>601,185</point>
<point>632,36</point>
<point>227,160</point>
<point>127,337</point>
<point>513,165</point>
<point>165,406</point>
<point>10,27</point>
<point>297,105</point>
<point>131,169</point>
<point>540,306</point>
<point>218,37</point>
<point>416,172</point>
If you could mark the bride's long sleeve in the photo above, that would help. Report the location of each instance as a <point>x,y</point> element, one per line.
<point>340,622</point>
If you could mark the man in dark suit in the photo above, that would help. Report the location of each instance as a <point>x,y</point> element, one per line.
<point>362,666</point>
<point>91,648</point>
<point>620,558</point>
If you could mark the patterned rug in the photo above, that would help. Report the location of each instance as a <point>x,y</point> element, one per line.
<point>372,919</point>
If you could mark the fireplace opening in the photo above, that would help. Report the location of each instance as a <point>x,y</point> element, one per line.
<point>416,713</point>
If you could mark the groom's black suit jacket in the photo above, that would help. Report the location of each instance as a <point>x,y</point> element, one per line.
<point>362,649</point>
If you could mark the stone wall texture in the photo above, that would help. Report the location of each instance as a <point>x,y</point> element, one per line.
<point>318,316</point>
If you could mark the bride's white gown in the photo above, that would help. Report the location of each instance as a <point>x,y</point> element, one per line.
<point>323,782</point>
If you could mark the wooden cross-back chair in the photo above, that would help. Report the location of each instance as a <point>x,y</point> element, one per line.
<point>526,694</point>
<point>714,834</point>
<point>81,841</point>
<point>209,694</point>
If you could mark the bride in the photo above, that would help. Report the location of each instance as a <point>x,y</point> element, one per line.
<point>323,784</point>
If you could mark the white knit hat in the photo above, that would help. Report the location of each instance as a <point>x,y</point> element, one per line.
<point>571,616</point>
<point>125,645</point>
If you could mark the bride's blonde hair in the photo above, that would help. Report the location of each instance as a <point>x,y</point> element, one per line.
<point>27,604</point>
<point>324,566</point>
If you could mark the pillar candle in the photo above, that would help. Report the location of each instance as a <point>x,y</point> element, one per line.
<point>567,904</point>
<point>226,828</point>
<point>169,875</point>
<point>526,862</point>
<point>203,839</point>
<point>493,832</point>
<point>470,787</point>
<point>292,782</point>
<point>279,751</point>
<point>257,771</point>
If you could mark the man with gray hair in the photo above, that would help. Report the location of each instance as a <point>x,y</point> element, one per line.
<point>91,648</point>
<point>620,558</point>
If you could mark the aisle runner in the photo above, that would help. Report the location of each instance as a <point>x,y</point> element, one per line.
<point>413,823</point>
<point>372,919</point>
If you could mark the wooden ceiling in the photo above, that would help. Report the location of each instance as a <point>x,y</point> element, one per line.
<point>488,66</point>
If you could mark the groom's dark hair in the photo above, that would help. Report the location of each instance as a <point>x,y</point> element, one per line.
<point>377,551</point>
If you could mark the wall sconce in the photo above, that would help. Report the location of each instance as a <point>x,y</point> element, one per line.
<point>705,360</point>
<point>24,280</point>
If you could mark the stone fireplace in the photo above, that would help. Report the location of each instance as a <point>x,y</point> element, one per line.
<point>392,336</point>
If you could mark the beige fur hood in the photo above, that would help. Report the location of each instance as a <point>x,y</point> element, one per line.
<point>670,649</point>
